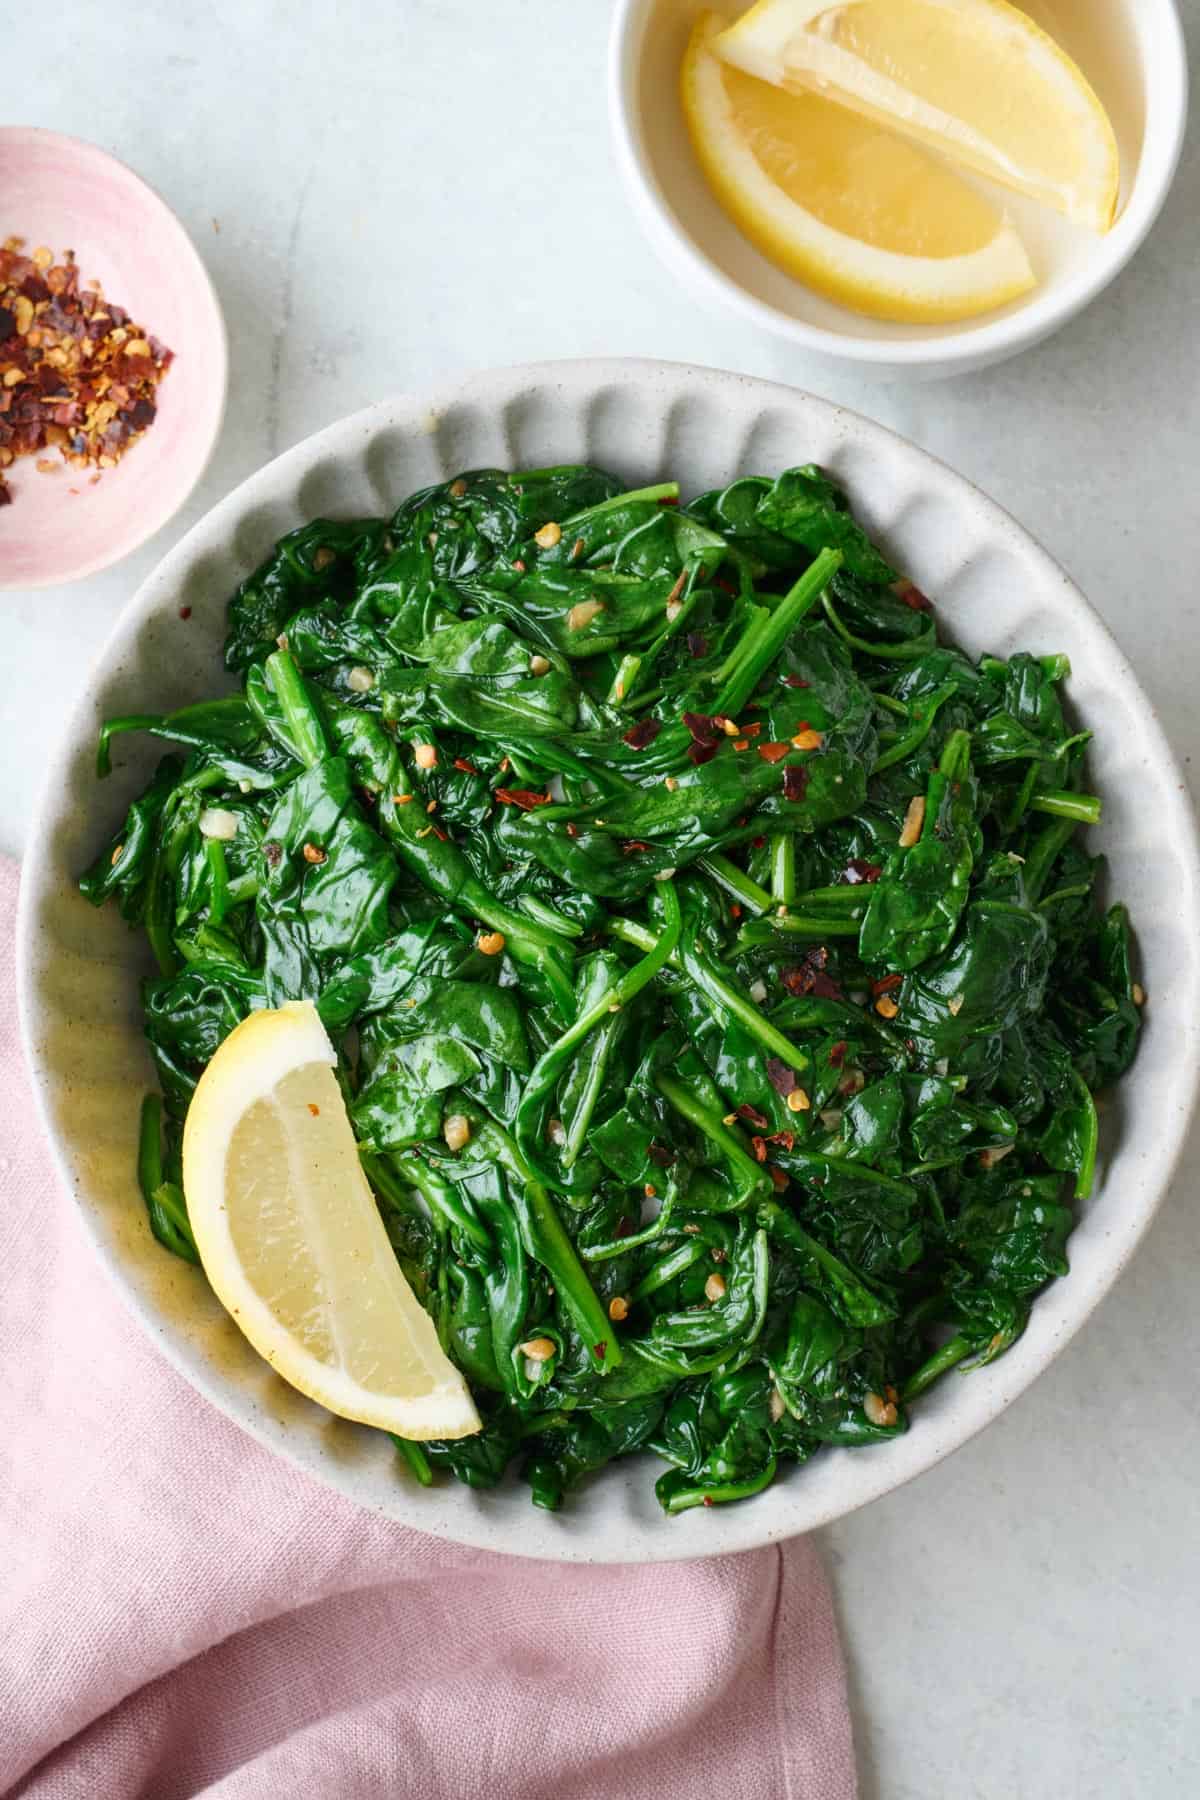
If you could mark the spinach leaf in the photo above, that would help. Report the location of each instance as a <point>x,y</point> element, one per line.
<point>711,952</point>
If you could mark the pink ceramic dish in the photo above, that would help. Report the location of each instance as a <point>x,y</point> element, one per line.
<point>66,194</point>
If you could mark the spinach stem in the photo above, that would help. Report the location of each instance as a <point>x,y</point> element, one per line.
<point>659,951</point>
<point>1025,793</point>
<point>746,640</point>
<point>545,915</point>
<point>619,1246</point>
<point>680,1499</point>
<point>299,710</point>
<point>218,903</point>
<point>812,927</point>
<point>547,1242</point>
<point>662,490</point>
<point>685,606</point>
<point>776,631</point>
<point>414,1455</point>
<point>1045,852</point>
<point>109,730</point>
<point>1084,808</point>
<point>441,1196</point>
<point>751,1177</point>
<point>736,882</point>
<point>704,975</point>
<point>852,894</point>
<point>946,1358</point>
<point>911,740</point>
<point>896,650</point>
<point>165,1204</point>
<point>717,988</point>
<point>149,1161</point>
<point>597,1071</point>
<point>624,680</point>
<point>783,868</point>
<point>669,1266</point>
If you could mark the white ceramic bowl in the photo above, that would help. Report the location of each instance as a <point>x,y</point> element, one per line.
<point>996,591</point>
<point>1132,51</point>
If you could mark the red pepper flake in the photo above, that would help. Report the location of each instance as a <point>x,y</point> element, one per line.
<point>519,565</point>
<point>706,1500</point>
<point>912,596</point>
<point>185,612</point>
<point>781,1078</point>
<point>785,1139</point>
<point>680,584</point>
<point>314,1110</point>
<point>699,754</point>
<point>809,977</point>
<point>741,743</point>
<point>643,734</point>
<point>779,1177</point>
<point>735,911</point>
<point>723,581</point>
<point>794,681</point>
<point>572,830</point>
<point>757,843</point>
<point>704,730</point>
<point>600,1350</point>
<point>837,1053</point>
<point>76,374</point>
<point>441,836</point>
<point>697,643</point>
<point>887,984</point>
<point>659,1153</point>
<point>753,729</point>
<point>525,798</point>
<point>576,550</point>
<point>669,500</point>
<point>759,1147</point>
<point>795,783</point>
<point>858,870</point>
<point>467,768</point>
<point>752,1116</point>
<point>632,846</point>
<point>773,753</point>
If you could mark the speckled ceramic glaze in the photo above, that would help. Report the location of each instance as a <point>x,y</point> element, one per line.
<point>995,589</point>
<point>70,195</point>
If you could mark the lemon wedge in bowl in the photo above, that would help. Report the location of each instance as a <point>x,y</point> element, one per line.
<point>977,80</point>
<point>857,213</point>
<point>291,1238</point>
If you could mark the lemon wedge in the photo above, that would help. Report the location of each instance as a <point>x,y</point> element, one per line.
<point>292,1241</point>
<point>975,79</point>
<point>858,214</point>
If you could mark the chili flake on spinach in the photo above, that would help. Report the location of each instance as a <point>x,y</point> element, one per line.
<point>717,978</point>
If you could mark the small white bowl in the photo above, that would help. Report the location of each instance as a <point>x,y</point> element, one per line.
<point>78,969</point>
<point>1133,53</point>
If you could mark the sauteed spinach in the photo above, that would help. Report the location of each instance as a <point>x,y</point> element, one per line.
<point>737,923</point>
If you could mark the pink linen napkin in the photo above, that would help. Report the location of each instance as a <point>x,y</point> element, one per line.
<point>181,1614</point>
